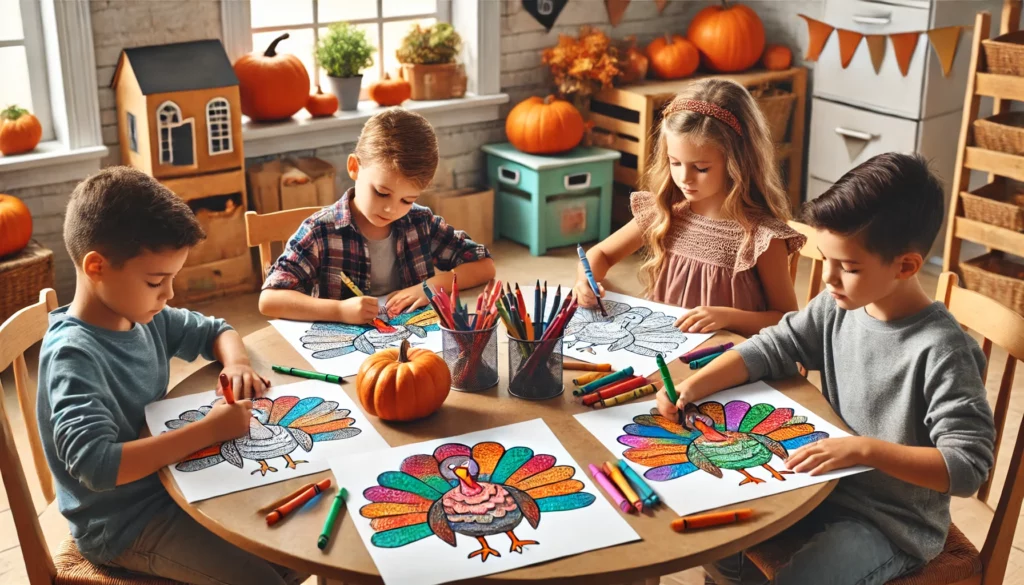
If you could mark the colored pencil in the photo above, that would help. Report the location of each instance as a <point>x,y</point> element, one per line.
<point>543,304</point>
<point>286,499</point>
<point>699,353</point>
<point>538,308</point>
<point>527,321</point>
<point>712,519</point>
<point>554,306</point>
<point>586,367</point>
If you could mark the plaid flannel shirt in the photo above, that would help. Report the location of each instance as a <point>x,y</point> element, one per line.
<point>328,243</point>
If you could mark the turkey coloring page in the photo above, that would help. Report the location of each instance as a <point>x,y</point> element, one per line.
<point>340,348</point>
<point>476,504</point>
<point>634,331</point>
<point>294,431</point>
<point>734,452</point>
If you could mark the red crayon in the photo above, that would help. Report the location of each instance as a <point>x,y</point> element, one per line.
<point>614,390</point>
<point>229,393</point>
<point>281,511</point>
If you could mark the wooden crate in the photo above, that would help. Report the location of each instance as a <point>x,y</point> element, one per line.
<point>630,114</point>
<point>277,185</point>
<point>470,210</point>
<point>22,275</point>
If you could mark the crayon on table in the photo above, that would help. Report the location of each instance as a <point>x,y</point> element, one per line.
<point>226,389</point>
<point>286,499</point>
<point>280,512</point>
<point>351,285</point>
<point>609,488</point>
<point>307,374</point>
<point>699,353</point>
<point>700,363</point>
<point>587,378</point>
<point>586,367</point>
<point>614,390</point>
<point>631,395</point>
<point>711,519</point>
<point>325,534</point>
<point>666,378</point>
<point>601,382</point>
<point>643,489</point>
<point>616,476</point>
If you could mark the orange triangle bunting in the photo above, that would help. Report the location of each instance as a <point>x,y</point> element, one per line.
<point>661,5</point>
<point>616,8</point>
<point>848,42</point>
<point>876,46</point>
<point>903,45</point>
<point>944,41</point>
<point>817,35</point>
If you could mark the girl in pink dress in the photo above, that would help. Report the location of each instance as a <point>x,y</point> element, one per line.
<point>712,217</point>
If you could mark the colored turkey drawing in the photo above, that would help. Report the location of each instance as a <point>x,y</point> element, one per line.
<point>638,330</point>
<point>331,340</point>
<point>278,428</point>
<point>737,437</point>
<point>479,492</point>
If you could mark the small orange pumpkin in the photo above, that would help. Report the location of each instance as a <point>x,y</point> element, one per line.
<point>544,125</point>
<point>403,384</point>
<point>271,86</point>
<point>390,92</point>
<point>730,38</point>
<point>635,66</point>
<point>20,131</point>
<point>321,104</point>
<point>15,225</point>
<point>777,57</point>
<point>673,57</point>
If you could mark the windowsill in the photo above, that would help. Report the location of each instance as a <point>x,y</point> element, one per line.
<point>303,132</point>
<point>50,163</point>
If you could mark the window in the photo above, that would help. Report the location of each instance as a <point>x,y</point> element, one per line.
<point>168,117</point>
<point>23,61</point>
<point>218,126</point>
<point>133,137</point>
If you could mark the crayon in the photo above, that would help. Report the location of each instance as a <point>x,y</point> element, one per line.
<point>616,476</point>
<point>711,519</point>
<point>666,378</point>
<point>281,511</point>
<point>226,389</point>
<point>585,367</point>
<point>631,395</point>
<point>307,374</point>
<point>590,278</point>
<point>613,390</point>
<point>609,379</point>
<point>643,489</point>
<point>609,488</point>
<point>285,499</point>
<point>325,534</point>
<point>587,378</point>
<point>699,353</point>
<point>700,363</point>
<point>351,285</point>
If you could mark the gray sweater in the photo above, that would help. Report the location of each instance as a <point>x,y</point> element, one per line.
<point>915,381</point>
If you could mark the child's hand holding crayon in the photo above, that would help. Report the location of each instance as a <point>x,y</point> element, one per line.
<point>407,299</point>
<point>227,421</point>
<point>358,310</point>
<point>244,381</point>
<point>585,295</point>
<point>671,410</point>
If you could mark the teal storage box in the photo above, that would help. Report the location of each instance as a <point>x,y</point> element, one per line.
<point>551,201</point>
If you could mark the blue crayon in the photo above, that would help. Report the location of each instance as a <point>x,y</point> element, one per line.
<point>639,485</point>
<point>590,278</point>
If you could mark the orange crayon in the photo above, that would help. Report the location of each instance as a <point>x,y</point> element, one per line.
<point>286,499</point>
<point>586,367</point>
<point>281,511</point>
<point>711,519</point>
<point>226,389</point>
<point>615,474</point>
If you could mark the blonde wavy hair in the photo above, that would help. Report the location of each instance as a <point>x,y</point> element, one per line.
<point>753,180</point>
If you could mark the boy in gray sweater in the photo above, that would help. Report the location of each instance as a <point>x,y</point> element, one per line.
<point>894,365</point>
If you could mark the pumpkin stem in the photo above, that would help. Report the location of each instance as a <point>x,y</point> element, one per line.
<point>668,38</point>
<point>318,90</point>
<point>272,49</point>
<point>403,352</point>
<point>12,113</point>
<point>548,100</point>
<point>724,5</point>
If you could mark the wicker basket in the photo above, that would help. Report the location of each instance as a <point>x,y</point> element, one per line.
<point>997,203</point>
<point>1003,132</point>
<point>777,106</point>
<point>1005,54</point>
<point>22,276</point>
<point>997,278</point>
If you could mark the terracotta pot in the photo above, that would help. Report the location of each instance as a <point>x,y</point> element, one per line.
<point>435,82</point>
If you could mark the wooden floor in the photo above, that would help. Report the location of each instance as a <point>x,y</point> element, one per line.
<point>514,264</point>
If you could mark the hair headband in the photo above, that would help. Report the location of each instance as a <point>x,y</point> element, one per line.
<point>706,108</point>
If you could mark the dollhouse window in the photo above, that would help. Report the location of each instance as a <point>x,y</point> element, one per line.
<point>218,126</point>
<point>133,137</point>
<point>168,117</point>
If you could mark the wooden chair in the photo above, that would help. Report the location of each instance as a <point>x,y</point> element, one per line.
<point>264,230</point>
<point>809,250</point>
<point>960,563</point>
<point>67,566</point>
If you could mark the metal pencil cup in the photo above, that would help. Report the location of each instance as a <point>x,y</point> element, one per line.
<point>472,358</point>
<point>535,368</point>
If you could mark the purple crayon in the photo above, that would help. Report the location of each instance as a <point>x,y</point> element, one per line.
<point>699,353</point>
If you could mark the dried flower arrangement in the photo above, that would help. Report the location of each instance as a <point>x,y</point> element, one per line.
<point>583,66</point>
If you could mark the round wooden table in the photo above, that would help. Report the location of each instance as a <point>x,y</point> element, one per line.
<point>661,551</point>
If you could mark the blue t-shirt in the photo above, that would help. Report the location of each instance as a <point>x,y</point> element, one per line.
<point>94,385</point>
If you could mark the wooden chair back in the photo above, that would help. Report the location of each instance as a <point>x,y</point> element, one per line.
<point>810,250</point>
<point>22,330</point>
<point>998,325</point>
<point>263,230</point>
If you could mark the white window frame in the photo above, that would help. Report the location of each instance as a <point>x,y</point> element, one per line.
<point>221,123</point>
<point>35,53</point>
<point>65,29</point>
<point>478,23</point>
<point>133,132</point>
<point>162,125</point>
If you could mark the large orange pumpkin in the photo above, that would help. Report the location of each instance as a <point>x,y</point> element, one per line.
<point>730,38</point>
<point>673,57</point>
<point>15,225</point>
<point>403,384</point>
<point>777,57</point>
<point>390,92</point>
<point>321,104</point>
<point>544,125</point>
<point>272,86</point>
<point>20,131</point>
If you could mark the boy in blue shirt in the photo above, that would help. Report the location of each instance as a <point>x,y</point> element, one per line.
<point>106,356</point>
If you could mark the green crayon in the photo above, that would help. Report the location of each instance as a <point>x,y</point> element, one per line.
<point>325,534</point>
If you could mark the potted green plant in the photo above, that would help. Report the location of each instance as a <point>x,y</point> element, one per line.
<point>343,53</point>
<point>428,62</point>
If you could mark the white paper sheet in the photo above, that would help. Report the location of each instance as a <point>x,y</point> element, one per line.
<point>338,348</point>
<point>320,421</point>
<point>534,462</point>
<point>634,332</point>
<point>697,490</point>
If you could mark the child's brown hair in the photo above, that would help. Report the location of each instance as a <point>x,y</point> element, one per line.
<point>401,140</point>
<point>755,187</point>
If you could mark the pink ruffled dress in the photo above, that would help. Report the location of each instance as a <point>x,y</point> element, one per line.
<point>711,262</point>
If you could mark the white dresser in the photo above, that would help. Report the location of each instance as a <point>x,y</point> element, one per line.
<point>857,113</point>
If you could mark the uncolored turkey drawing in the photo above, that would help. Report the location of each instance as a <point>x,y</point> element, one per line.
<point>478,492</point>
<point>635,329</point>
<point>737,436</point>
<point>330,340</point>
<point>278,427</point>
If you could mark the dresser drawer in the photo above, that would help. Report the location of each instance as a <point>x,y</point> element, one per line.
<point>842,137</point>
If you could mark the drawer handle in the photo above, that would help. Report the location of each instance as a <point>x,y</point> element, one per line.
<point>507,175</point>
<point>865,19</point>
<point>576,181</point>
<point>855,134</point>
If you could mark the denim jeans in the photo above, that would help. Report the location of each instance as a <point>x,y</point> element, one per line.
<point>175,546</point>
<point>843,550</point>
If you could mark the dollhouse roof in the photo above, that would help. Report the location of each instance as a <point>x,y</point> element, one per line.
<point>179,67</point>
